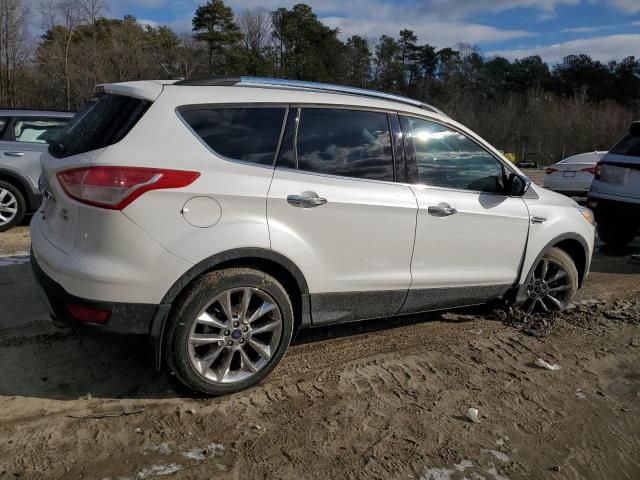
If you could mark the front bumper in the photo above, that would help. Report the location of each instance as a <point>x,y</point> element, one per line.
<point>124,318</point>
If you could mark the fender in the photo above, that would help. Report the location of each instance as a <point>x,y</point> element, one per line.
<point>521,288</point>
<point>160,318</point>
<point>32,198</point>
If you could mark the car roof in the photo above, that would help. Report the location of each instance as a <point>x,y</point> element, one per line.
<point>27,112</point>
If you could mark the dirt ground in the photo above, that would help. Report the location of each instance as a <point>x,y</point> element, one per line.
<point>382,399</point>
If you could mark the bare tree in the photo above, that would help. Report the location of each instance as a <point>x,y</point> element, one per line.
<point>13,47</point>
<point>255,24</point>
<point>61,20</point>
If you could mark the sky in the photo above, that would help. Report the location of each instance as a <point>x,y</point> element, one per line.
<point>604,29</point>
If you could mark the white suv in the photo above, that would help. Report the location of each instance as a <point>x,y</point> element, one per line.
<point>218,216</point>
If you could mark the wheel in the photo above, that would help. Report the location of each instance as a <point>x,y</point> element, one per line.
<point>552,282</point>
<point>616,236</point>
<point>229,331</point>
<point>12,206</point>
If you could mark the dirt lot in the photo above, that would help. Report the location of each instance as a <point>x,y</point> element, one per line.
<point>384,399</point>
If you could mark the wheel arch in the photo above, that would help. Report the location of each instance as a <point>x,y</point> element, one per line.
<point>273,263</point>
<point>23,185</point>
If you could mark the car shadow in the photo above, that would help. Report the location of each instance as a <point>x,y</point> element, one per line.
<point>616,261</point>
<point>65,365</point>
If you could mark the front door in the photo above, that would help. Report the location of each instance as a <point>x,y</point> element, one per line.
<point>470,236</point>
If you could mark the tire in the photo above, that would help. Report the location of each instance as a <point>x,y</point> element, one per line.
<point>219,366</point>
<point>551,287</point>
<point>615,236</point>
<point>12,206</point>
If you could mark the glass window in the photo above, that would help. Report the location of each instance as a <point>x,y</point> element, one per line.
<point>446,158</point>
<point>348,143</point>
<point>37,130</point>
<point>628,146</point>
<point>249,134</point>
<point>3,123</point>
<point>286,157</point>
<point>102,121</point>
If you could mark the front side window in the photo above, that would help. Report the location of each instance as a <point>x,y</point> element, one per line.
<point>248,134</point>
<point>37,130</point>
<point>347,143</point>
<point>446,158</point>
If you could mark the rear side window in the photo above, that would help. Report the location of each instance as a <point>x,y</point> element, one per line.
<point>102,121</point>
<point>629,146</point>
<point>4,121</point>
<point>37,130</point>
<point>247,134</point>
<point>348,143</point>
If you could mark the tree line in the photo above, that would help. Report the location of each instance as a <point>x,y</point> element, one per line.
<point>522,106</point>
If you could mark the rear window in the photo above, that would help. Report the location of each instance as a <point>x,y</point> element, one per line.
<point>629,146</point>
<point>102,121</point>
<point>247,134</point>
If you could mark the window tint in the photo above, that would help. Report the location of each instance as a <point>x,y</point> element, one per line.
<point>3,123</point>
<point>348,143</point>
<point>37,130</point>
<point>286,157</point>
<point>102,121</point>
<point>249,134</point>
<point>629,146</point>
<point>446,158</point>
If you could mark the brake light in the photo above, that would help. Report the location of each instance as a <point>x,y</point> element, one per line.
<point>550,170</point>
<point>591,170</point>
<point>597,170</point>
<point>116,187</point>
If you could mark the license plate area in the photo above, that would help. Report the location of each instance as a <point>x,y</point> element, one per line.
<point>569,174</point>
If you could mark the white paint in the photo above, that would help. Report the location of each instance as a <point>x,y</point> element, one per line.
<point>503,457</point>
<point>158,470</point>
<point>463,465</point>
<point>438,474</point>
<point>496,475</point>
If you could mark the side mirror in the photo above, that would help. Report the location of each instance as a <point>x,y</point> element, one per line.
<point>517,185</point>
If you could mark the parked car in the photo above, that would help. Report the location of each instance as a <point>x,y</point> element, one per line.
<point>219,216</point>
<point>24,135</point>
<point>573,175</point>
<point>615,191</point>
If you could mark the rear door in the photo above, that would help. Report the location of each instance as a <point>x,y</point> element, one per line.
<point>335,210</point>
<point>25,140</point>
<point>470,237</point>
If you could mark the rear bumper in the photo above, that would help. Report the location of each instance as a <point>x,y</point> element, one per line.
<point>124,318</point>
<point>614,211</point>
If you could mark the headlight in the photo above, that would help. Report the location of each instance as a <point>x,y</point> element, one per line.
<point>588,215</point>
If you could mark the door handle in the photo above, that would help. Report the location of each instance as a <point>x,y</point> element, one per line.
<point>14,154</point>
<point>305,201</point>
<point>441,211</point>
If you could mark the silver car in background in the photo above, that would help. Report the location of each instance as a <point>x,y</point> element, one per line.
<point>573,175</point>
<point>24,135</point>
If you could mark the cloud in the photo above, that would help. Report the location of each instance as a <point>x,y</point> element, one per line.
<point>605,48</point>
<point>628,6</point>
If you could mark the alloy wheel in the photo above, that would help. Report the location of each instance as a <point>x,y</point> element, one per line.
<point>235,335</point>
<point>549,287</point>
<point>8,206</point>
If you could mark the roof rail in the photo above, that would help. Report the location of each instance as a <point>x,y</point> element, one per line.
<point>304,85</point>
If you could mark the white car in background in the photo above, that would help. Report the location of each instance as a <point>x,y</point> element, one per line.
<point>573,175</point>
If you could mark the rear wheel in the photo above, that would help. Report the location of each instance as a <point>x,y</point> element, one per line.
<point>552,282</point>
<point>616,237</point>
<point>229,331</point>
<point>12,206</point>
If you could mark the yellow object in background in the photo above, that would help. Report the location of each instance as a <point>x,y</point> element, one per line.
<point>510,156</point>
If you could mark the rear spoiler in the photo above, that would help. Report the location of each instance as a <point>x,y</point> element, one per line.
<point>146,90</point>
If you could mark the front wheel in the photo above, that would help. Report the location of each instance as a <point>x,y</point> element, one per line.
<point>552,282</point>
<point>229,331</point>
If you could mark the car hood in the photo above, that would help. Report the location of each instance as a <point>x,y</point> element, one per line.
<point>550,198</point>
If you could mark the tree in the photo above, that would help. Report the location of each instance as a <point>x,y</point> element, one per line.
<point>358,61</point>
<point>214,25</point>
<point>13,47</point>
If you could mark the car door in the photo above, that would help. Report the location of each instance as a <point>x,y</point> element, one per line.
<point>335,210</point>
<point>26,139</point>
<point>470,236</point>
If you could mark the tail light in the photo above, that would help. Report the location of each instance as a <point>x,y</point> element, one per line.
<point>116,187</point>
<point>597,171</point>
<point>550,170</point>
<point>87,314</point>
<point>591,170</point>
